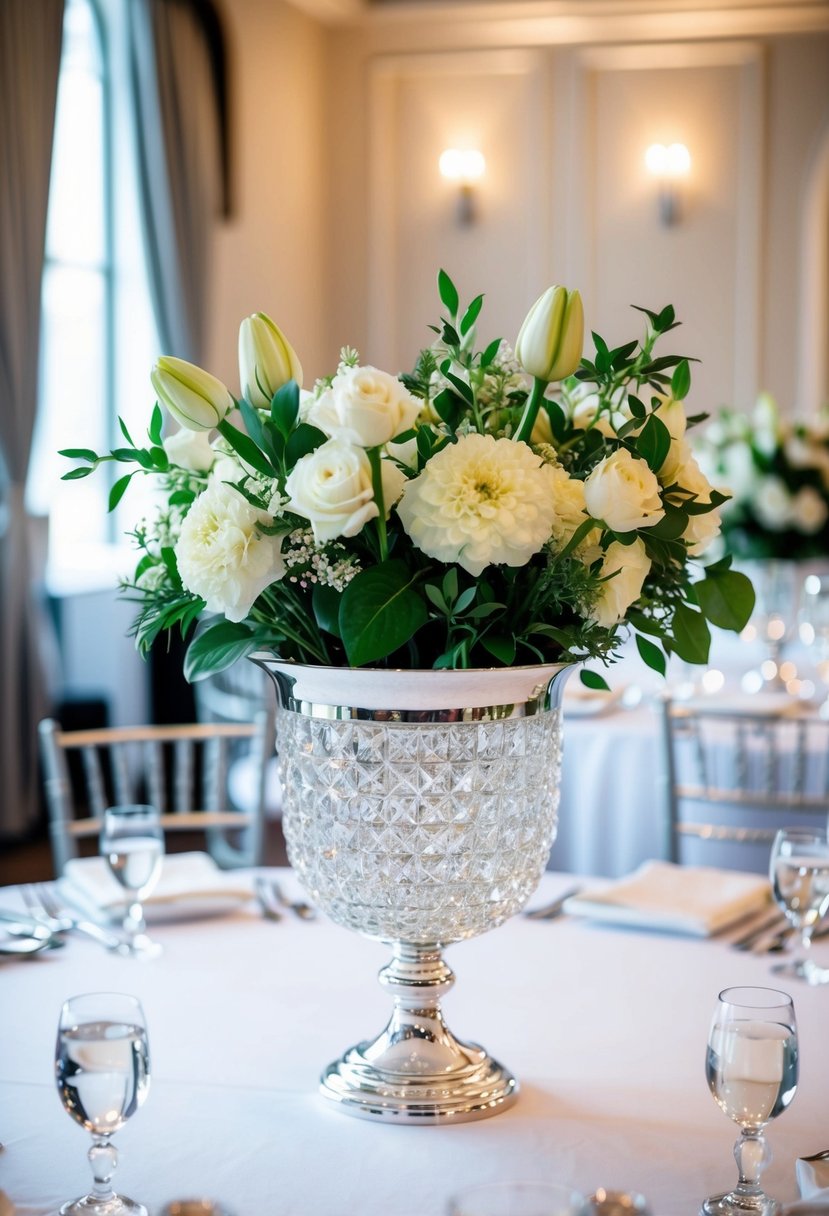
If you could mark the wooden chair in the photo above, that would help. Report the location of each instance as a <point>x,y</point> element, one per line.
<point>182,770</point>
<point>732,779</point>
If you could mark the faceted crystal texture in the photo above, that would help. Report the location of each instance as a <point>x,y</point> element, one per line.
<point>420,832</point>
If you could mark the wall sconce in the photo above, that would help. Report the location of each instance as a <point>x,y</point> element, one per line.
<point>668,165</point>
<point>465,168</point>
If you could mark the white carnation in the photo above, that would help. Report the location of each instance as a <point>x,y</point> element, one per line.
<point>222,556</point>
<point>568,504</point>
<point>481,501</point>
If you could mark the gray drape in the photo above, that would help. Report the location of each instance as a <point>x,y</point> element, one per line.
<point>179,149</point>
<point>30,46</point>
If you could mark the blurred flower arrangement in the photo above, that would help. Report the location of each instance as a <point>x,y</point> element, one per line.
<point>489,508</point>
<point>777,475</point>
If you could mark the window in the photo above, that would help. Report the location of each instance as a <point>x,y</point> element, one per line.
<point>98,339</point>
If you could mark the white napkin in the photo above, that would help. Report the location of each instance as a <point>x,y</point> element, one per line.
<point>189,884</point>
<point>757,704</point>
<point>813,1181</point>
<point>697,900</point>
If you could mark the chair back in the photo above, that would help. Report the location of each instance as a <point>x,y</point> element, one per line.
<point>733,779</point>
<point>181,770</point>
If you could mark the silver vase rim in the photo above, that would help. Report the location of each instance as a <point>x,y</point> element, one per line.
<point>407,695</point>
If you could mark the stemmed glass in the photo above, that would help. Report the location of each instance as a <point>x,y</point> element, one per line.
<point>517,1199</point>
<point>799,871</point>
<point>751,1067</point>
<point>102,1068</point>
<point>132,841</point>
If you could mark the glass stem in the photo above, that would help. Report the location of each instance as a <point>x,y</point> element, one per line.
<point>135,923</point>
<point>752,1154</point>
<point>103,1159</point>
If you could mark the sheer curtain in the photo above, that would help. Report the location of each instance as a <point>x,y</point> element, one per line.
<point>177,110</point>
<point>30,46</point>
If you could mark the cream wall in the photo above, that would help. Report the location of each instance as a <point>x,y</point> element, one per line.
<point>270,255</point>
<point>564,114</point>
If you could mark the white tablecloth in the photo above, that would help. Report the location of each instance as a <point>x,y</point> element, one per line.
<point>606,1030</point>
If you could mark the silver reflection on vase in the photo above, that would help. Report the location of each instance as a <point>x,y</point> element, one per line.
<point>419,825</point>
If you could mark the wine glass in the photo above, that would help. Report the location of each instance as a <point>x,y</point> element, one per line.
<point>102,1068</point>
<point>517,1199</point>
<point>132,841</point>
<point>799,871</point>
<point>751,1068</point>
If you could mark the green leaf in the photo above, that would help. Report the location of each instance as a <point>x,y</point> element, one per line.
<point>218,647</point>
<point>471,315</point>
<point>691,635</point>
<point>244,447</point>
<point>252,421</point>
<point>501,648</point>
<point>726,597</point>
<point>77,474</point>
<point>304,439</point>
<point>126,433</point>
<point>592,679</point>
<point>435,596</point>
<point>464,600</point>
<point>79,454</point>
<point>672,525</point>
<point>450,584</point>
<point>490,352</point>
<point>156,428</point>
<point>448,293</point>
<point>285,407</point>
<point>681,381</point>
<point>449,407</point>
<point>117,491</point>
<point>379,612</point>
<point>654,443</point>
<point>463,388</point>
<point>651,654</point>
<point>160,459</point>
<point>326,604</point>
<point>637,407</point>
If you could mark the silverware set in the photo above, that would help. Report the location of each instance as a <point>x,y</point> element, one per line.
<point>46,907</point>
<point>274,903</point>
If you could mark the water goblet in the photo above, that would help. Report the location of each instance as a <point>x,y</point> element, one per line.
<point>102,1068</point>
<point>517,1199</point>
<point>132,841</point>
<point>751,1068</point>
<point>799,872</point>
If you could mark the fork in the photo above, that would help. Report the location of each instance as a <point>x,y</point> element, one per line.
<point>42,902</point>
<point>298,906</point>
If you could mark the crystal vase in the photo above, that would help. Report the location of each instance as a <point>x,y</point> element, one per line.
<point>419,808</point>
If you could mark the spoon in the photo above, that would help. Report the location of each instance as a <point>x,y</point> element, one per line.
<point>298,906</point>
<point>265,898</point>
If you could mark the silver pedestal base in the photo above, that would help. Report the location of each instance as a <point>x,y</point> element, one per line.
<point>416,1071</point>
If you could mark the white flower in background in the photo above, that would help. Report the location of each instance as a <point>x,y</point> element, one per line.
<point>153,578</point>
<point>266,360</point>
<point>701,529</point>
<point>190,450</point>
<point>624,493</point>
<point>481,501</point>
<point>364,406</point>
<point>772,504</point>
<point>809,510</point>
<point>222,556</point>
<point>625,568</point>
<point>332,488</point>
<point>568,505</point>
<point>807,452</point>
<point>195,399</point>
<point>767,428</point>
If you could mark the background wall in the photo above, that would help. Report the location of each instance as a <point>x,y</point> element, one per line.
<point>563,113</point>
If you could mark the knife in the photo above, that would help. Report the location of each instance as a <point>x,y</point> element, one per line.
<point>553,909</point>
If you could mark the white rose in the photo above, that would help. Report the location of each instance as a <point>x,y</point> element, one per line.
<point>809,510</point>
<point>587,414</point>
<point>624,568</point>
<point>772,504</point>
<point>568,505</point>
<point>331,487</point>
<point>365,406</point>
<point>222,556</point>
<point>701,529</point>
<point>672,413</point>
<point>679,453</point>
<point>624,493</point>
<point>190,450</point>
<point>481,501</point>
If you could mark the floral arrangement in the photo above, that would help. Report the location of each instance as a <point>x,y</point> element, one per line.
<point>777,474</point>
<point>488,508</point>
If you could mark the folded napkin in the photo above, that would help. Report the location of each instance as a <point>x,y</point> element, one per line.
<point>757,704</point>
<point>697,900</point>
<point>189,884</point>
<point>813,1181</point>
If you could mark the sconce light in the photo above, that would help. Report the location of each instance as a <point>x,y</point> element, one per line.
<point>668,165</point>
<point>465,168</point>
